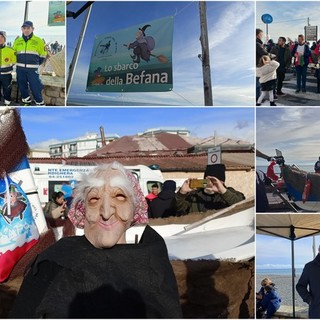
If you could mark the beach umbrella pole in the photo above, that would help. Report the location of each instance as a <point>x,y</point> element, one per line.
<point>77,50</point>
<point>293,277</point>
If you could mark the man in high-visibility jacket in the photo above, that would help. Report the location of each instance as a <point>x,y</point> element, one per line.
<point>31,53</point>
<point>7,61</point>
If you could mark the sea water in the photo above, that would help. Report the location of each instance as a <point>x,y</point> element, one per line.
<point>307,168</point>
<point>282,272</point>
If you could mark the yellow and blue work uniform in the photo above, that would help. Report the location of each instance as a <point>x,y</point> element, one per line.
<point>7,61</point>
<point>31,54</point>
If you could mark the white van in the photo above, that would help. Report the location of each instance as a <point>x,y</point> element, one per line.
<point>51,178</point>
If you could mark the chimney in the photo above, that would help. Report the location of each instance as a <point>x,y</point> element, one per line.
<point>103,138</point>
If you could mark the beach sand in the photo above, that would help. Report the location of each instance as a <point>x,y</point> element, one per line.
<point>284,287</point>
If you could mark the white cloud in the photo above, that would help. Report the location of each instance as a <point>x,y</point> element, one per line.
<point>44,144</point>
<point>292,130</point>
<point>289,18</point>
<point>12,15</point>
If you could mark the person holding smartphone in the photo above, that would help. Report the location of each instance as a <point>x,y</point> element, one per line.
<point>56,207</point>
<point>213,194</point>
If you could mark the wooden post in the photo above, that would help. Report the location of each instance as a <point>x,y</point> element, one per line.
<point>205,58</point>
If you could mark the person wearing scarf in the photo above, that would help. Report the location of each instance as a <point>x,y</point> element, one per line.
<point>301,52</point>
<point>100,275</point>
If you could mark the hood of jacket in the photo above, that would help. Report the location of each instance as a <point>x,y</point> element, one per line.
<point>166,194</point>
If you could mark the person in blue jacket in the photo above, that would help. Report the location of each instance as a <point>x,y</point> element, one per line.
<point>267,300</point>
<point>308,286</point>
<point>271,301</point>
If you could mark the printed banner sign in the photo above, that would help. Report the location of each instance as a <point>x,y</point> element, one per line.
<point>311,33</point>
<point>136,59</point>
<point>57,13</point>
<point>17,226</point>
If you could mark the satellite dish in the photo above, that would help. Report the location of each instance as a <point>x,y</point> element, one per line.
<point>266,18</point>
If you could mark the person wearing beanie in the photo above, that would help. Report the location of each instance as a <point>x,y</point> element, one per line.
<point>161,206</point>
<point>213,197</point>
<point>31,53</point>
<point>7,61</point>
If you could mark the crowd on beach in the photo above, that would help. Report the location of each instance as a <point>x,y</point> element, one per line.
<point>274,60</point>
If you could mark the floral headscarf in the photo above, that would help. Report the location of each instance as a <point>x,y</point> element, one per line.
<point>77,211</point>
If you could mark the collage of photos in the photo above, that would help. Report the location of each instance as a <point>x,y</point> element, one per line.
<point>159,159</point>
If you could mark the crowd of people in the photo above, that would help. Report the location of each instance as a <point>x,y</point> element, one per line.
<point>164,200</point>
<point>213,195</point>
<point>274,60</point>
<point>55,47</point>
<point>27,53</point>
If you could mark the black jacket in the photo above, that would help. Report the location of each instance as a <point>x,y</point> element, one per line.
<point>161,206</point>
<point>308,287</point>
<point>73,279</point>
<point>260,51</point>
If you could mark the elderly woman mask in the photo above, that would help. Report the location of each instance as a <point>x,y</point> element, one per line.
<point>107,203</point>
<point>97,275</point>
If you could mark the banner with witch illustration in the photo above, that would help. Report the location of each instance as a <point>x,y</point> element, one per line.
<point>136,59</point>
<point>57,13</point>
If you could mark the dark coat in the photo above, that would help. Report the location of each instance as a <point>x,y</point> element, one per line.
<point>262,203</point>
<point>260,51</point>
<point>308,287</point>
<point>285,64</point>
<point>73,279</point>
<point>161,206</point>
<point>199,201</point>
<point>307,53</point>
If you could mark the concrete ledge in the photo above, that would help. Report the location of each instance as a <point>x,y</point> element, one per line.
<point>285,312</point>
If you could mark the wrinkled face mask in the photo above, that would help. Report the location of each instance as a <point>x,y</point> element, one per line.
<point>109,210</point>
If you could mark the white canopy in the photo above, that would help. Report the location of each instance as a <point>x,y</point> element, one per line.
<point>289,226</point>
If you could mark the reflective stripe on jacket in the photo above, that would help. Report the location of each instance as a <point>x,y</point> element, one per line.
<point>7,60</point>
<point>30,53</point>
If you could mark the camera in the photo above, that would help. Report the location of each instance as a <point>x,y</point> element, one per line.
<point>198,183</point>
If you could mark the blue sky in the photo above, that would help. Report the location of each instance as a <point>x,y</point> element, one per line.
<point>51,125</point>
<point>12,14</point>
<point>275,253</point>
<point>289,17</point>
<point>294,131</point>
<point>231,30</point>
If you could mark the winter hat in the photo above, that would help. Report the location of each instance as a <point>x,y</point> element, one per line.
<point>27,24</point>
<point>3,33</point>
<point>169,185</point>
<point>216,170</point>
